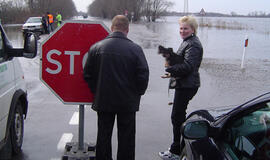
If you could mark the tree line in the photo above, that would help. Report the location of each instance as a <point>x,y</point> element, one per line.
<point>135,9</point>
<point>17,11</point>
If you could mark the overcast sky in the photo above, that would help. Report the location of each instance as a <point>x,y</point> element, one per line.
<point>220,6</point>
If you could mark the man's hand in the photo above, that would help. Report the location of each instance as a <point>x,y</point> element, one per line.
<point>166,75</point>
<point>166,65</point>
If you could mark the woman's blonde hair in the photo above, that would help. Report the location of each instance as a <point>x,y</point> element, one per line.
<point>190,20</point>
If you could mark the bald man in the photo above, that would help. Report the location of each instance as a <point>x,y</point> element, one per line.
<point>117,74</point>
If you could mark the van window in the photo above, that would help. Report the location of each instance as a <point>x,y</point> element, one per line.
<point>1,48</point>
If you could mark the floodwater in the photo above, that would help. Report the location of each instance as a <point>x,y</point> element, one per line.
<point>226,37</point>
<point>223,83</point>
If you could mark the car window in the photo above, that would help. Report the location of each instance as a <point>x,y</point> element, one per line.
<point>1,48</point>
<point>34,20</point>
<point>248,137</point>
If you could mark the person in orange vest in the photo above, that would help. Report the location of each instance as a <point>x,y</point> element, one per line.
<point>50,21</point>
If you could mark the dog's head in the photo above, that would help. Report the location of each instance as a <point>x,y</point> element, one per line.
<point>165,52</point>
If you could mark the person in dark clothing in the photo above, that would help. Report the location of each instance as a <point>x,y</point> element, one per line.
<point>45,23</point>
<point>117,73</point>
<point>187,81</point>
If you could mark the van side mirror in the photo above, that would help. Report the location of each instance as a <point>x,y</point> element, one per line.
<point>30,45</point>
<point>195,129</point>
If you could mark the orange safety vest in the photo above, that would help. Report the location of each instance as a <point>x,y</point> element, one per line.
<point>50,18</point>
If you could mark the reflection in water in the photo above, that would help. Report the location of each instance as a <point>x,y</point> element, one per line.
<point>203,34</point>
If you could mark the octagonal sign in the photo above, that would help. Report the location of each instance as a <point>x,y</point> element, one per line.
<point>64,53</point>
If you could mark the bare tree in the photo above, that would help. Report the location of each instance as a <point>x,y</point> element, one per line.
<point>100,8</point>
<point>17,11</point>
<point>148,9</point>
<point>152,9</point>
<point>159,7</point>
<point>12,11</point>
<point>137,9</point>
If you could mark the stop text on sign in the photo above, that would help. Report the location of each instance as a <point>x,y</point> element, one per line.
<point>72,55</point>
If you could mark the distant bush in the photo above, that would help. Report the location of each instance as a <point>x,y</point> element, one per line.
<point>220,24</point>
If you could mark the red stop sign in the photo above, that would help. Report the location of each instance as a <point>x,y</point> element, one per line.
<point>63,55</point>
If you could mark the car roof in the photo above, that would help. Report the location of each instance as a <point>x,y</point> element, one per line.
<point>33,20</point>
<point>34,17</point>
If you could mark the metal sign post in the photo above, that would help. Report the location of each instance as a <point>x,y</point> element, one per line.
<point>81,127</point>
<point>79,150</point>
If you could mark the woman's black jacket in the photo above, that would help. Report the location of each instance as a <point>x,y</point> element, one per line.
<point>187,71</point>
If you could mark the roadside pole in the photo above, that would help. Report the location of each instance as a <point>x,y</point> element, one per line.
<point>79,150</point>
<point>244,52</point>
<point>81,127</point>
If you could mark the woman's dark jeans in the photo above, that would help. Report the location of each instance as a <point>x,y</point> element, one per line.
<point>181,99</point>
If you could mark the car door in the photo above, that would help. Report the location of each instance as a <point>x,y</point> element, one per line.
<point>248,136</point>
<point>7,87</point>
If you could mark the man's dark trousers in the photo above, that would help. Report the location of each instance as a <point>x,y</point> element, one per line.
<point>126,127</point>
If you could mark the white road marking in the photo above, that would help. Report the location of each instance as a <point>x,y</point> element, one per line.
<point>66,137</point>
<point>55,158</point>
<point>74,119</point>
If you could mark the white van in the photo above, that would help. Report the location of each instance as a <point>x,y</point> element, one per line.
<point>13,94</point>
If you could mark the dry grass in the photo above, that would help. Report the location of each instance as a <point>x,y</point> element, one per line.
<point>220,24</point>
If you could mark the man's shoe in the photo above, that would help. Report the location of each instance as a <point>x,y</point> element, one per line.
<point>167,155</point>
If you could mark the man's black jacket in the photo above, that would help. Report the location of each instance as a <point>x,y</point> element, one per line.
<point>117,73</point>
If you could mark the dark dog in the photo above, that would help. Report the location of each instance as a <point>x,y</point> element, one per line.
<point>170,57</point>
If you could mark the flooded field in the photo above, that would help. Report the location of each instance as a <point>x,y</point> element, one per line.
<point>224,38</point>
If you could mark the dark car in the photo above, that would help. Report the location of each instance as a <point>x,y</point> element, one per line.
<point>242,133</point>
<point>33,24</point>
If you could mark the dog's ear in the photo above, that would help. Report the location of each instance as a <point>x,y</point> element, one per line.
<point>170,50</point>
<point>161,49</point>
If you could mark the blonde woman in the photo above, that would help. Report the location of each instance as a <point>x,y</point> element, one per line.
<point>187,83</point>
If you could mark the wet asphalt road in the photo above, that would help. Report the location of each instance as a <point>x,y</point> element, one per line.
<point>50,124</point>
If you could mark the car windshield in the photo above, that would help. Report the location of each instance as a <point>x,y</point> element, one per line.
<point>248,136</point>
<point>34,20</point>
